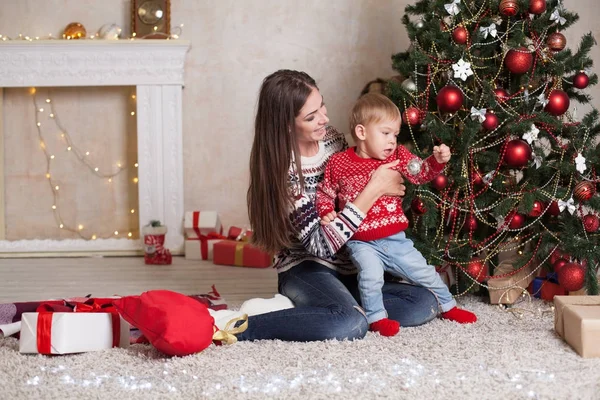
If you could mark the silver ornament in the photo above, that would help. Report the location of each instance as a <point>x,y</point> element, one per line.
<point>109,32</point>
<point>414,166</point>
<point>409,85</point>
<point>420,24</point>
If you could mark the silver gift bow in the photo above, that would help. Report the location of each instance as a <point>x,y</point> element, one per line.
<point>489,30</point>
<point>569,205</point>
<point>478,114</point>
<point>452,8</point>
<point>557,17</point>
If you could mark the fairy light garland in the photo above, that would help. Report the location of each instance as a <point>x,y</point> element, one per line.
<point>82,156</point>
<point>175,34</point>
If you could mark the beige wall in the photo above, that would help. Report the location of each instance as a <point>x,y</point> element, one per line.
<point>342,43</point>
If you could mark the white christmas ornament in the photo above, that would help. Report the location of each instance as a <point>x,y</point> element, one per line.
<point>408,85</point>
<point>109,32</point>
<point>452,8</point>
<point>414,166</point>
<point>478,114</point>
<point>489,30</point>
<point>462,69</point>
<point>537,160</point>
<point>542,101</point>
<point>557,17</point>
<point>580,163</point>
<point>532,135</point>
<point>569,205</point>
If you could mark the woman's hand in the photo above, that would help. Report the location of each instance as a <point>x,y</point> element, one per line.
<point>388,181</point>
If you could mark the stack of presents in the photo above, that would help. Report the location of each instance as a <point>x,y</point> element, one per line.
<point>205,240</point>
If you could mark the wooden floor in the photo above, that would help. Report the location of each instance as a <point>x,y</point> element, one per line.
<point>33,279</point>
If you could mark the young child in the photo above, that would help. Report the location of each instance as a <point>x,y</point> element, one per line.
<point>380,243</point>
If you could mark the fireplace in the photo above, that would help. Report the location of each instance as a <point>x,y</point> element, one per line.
<point>156,69</point>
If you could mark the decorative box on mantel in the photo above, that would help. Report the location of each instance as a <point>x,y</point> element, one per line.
<point>156,69</point>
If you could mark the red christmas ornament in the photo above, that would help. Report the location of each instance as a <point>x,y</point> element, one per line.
<point>510,8</point>
<point>571,277</point>
<point>501,95</point>
<point>518,153</point>
<point>476,178</point>
<point>471,222</point>
<point>412,116</point>
<point>558,264</point>
<point>491,121</point>
<point>477,270</point>
<point>556,41</point>
<point>558,103</point>
<point>515,220</point>
<point>557,255</point>
<point>538,209</point>
<point>449,99</point>
<point>518,61</point>
<point>591,223</point>
<point>418,206</point>
<point>460,35</point>
<point>581,80</point>
<point>439,182</point>
<point>537,6</point>
<point>584,191</point>
<point>554,209</point>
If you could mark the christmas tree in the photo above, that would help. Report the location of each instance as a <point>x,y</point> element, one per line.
<point>494,81</point>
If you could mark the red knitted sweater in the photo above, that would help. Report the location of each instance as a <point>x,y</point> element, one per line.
<point>347,174</point>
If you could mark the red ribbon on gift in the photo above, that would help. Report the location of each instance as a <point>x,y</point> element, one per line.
<point>204,241</point>
<point>196,222</point>
<point>44,322</point>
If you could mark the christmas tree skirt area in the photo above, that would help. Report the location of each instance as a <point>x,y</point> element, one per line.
<point>501,356</point>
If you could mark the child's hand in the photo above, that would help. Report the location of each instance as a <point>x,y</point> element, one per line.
<point>328,218</point>
<point>442,153</point>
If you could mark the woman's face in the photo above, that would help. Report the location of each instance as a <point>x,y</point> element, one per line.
<point>311,122</point>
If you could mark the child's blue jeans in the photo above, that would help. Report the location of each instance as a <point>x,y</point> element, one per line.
<point>397,255</point>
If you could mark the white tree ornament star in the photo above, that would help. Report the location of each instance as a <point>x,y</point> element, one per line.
<point>489,30</point>
<point>580,163</point>
<point>462,69</point>
<point>532,135</point>
<point>452,8</point>
<point>478,114</point>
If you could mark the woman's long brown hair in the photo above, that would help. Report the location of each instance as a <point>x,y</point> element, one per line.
<point>270,198</point>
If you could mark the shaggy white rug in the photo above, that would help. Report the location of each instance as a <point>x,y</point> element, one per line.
<point>501,356</point>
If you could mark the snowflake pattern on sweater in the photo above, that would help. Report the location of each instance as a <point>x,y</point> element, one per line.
<point>347,174</point>
<point>313,241</point>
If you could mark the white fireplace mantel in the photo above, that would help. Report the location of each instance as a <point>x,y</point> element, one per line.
<point>156,69</point>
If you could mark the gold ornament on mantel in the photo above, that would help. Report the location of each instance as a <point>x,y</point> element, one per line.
<point>74,31</point>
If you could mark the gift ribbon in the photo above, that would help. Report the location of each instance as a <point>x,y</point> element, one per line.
<point>204,241</point>
<point>239,254</point>
<point>44,323</point>
<point>227,335</point>
<point>196,222</point>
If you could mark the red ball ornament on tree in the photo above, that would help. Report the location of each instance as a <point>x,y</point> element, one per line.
<point>491,121</point>
<point>554,209</point>
<point>501,94</point>
<point>584,191</point>
<point>449,99</point>
<point>412,116</point>
<point>477,270</point>
<point>558,103</point>
<point>510,8</point>
<point>471,222</point>
<point>556,41</point>
<point>557,255</point>
<point>537,6</point>
<point>440,182</point>
<point>418,206</point>
<point>537,209</point>
<point>558,264</point>
<point>476,178</point>
<point>515,220</point>
<point>591,223</point>
<point>581,80</point>
<point>460,35</point>
<point>518,61</point>
<point>571,277</point>
<point>518,153</point>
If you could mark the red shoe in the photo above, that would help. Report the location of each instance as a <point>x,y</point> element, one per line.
<point>385,327</point>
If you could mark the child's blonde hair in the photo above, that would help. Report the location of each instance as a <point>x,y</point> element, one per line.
<point>372,108</point>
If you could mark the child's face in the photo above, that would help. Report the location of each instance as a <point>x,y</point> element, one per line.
<point>380,138</point>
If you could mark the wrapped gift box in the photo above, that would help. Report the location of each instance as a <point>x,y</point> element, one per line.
<point>241,254</point>
<point>546,288</point>
<point>198,223</point>
<point>201,248</point>
<point>507,289</point>
<point>577,321</point>
<point>70,332</point>
<point>239,234</point>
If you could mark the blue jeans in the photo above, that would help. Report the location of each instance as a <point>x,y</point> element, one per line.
<point>397,255</point>
<point>327,307</point>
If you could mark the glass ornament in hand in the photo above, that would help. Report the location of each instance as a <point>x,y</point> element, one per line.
<point>414,166</point>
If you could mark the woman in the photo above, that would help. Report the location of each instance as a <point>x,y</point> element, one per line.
<point>292,144</point>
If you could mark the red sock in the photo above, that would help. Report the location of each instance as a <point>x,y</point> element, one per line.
<point>459,315</point>
<point>385,327</point>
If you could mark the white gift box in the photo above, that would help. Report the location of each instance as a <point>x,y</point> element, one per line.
<point>204,222</point>
<point>196,250</point>
<point>75,332</point>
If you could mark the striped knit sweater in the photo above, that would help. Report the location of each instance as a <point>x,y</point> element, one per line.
<point>313,241</point>
<point>347,174</point>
